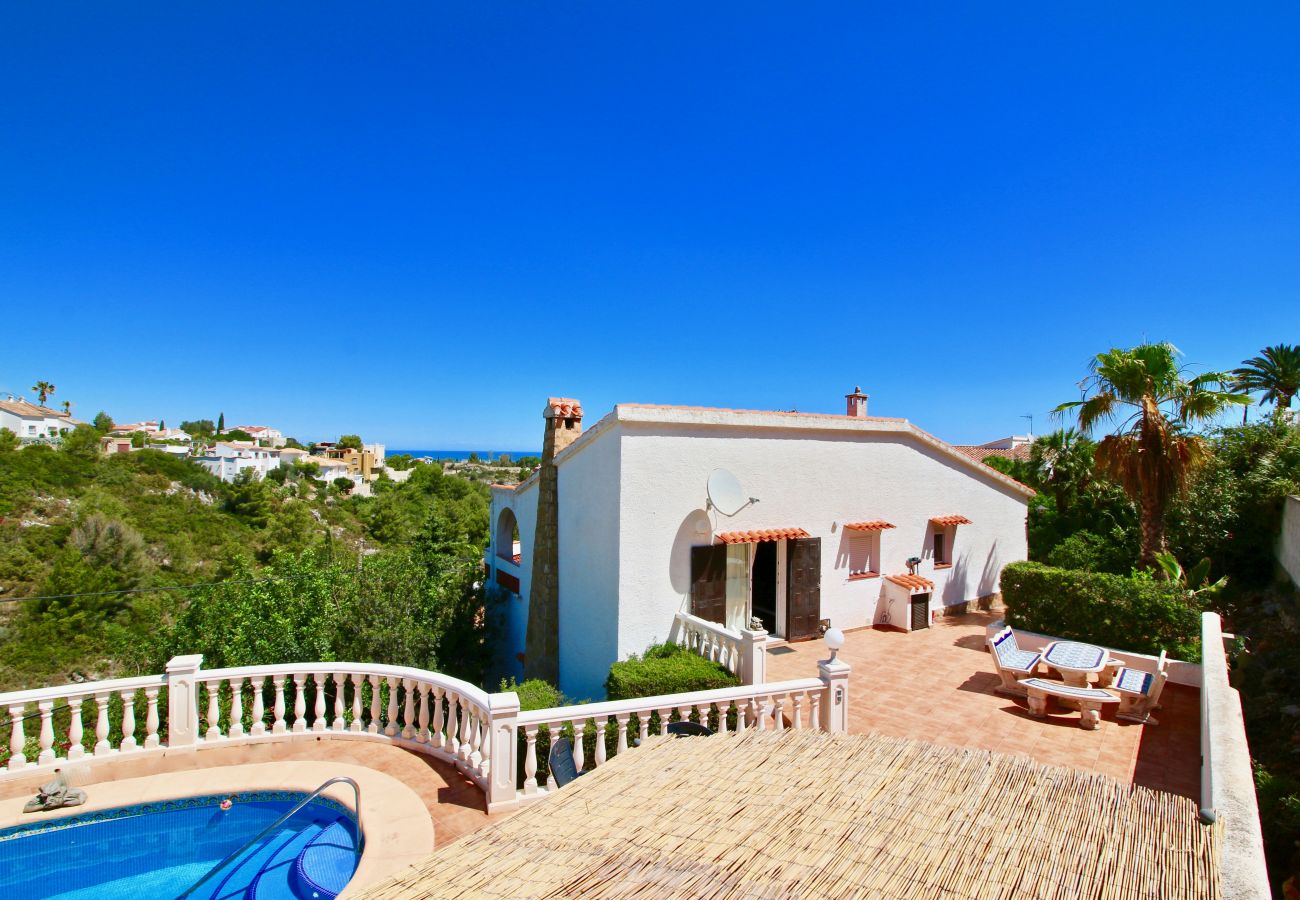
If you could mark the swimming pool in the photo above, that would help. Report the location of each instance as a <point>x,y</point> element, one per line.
<point>158,850</point>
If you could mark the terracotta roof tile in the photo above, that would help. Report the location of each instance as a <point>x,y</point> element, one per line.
<point>950,520</point>
<point>564,407</point>
<point>873,525</point>
<point>912,582</point>
<point>979,454</point>
<point>754,537</point>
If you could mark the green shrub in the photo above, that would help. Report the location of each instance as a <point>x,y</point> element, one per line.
<point>665,669</point>
<point>1134,613</point>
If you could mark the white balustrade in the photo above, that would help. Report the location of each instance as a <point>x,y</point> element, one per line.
<point>480,734</point>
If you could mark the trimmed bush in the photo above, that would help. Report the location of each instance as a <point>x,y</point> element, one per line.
<point>665,669</point>
<point>1134,613</point>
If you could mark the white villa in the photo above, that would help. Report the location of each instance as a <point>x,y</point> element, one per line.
<point>840,504</point>
<point>264,434</point>
<point>32,422</point>
<point>227,459</point>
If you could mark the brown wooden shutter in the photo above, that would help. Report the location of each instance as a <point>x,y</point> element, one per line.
<point>709,583</point>
<point>803,611</point>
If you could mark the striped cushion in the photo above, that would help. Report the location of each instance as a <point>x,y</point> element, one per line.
<point>1133,680</point>
<point>1068,690</point>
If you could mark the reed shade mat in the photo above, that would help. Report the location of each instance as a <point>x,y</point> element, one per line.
<point>808,814</point>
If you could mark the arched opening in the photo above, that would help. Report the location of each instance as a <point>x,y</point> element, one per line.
<point>506,538</point>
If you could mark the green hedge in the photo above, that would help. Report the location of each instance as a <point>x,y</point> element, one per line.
<point>665,669</point>
<point>1134,613</point>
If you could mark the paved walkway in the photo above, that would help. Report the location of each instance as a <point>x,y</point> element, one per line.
<point>938,685</point>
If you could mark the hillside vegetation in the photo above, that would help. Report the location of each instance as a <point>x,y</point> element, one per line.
<point>106,564</point>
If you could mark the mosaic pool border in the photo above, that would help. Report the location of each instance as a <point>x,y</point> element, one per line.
<point>27,829</point>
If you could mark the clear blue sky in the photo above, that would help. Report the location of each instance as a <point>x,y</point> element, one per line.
<point>417,220</point>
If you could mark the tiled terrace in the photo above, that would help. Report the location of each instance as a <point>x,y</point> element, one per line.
<point>938,685</point>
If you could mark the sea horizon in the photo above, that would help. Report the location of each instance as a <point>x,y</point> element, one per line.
<point>463,454</point>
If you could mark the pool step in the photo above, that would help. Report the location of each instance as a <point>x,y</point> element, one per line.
<point>234,883</point>
<point>325,866</point>
<point>273,880</point>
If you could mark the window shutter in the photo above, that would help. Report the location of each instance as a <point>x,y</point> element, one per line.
<point>709,583</point>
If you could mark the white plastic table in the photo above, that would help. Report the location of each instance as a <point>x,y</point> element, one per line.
<point>1075,661</point>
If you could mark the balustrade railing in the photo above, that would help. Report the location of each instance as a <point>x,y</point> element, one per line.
<point>483,735</point>
<point>740,652</point>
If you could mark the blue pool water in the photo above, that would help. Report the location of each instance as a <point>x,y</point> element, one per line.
<point>157,850</point>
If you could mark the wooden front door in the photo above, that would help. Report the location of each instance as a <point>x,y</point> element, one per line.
<point>803,593</point>
<point>709,583</point>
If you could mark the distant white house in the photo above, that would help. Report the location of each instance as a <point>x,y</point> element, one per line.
<point>832,511</point>
<point>228,459</point>
<point>32,422</point>
<point>148,427</point>
<point>170,434</point>
<point>263,434</point>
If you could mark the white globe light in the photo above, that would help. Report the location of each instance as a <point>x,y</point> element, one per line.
<point>834,639</point>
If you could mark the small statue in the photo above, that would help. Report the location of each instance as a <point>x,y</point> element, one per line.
<point>756,624</point>
<point>55,795</point>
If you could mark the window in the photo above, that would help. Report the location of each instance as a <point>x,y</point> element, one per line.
<point>943,540</point>
<point>864,554</point>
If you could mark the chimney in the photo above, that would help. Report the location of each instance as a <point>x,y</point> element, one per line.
<point>563,417</point>
<point>857,403</point>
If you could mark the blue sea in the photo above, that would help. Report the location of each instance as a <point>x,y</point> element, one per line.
<point>464,454</point>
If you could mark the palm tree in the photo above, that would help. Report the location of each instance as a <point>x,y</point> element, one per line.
<point>1276,372</point>
<point>1062,463</point>
<point>43,390</point>
<point>67,407</point>
<point>1152,452</point>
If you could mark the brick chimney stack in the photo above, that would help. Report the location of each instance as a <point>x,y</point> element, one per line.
<point>563,417</point>
<point>857,403</point>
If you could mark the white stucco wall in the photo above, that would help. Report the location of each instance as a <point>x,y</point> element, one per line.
<point>523,502</point>
<point>1288,542</point>
<point>632,504</point>
<point>815,481</point>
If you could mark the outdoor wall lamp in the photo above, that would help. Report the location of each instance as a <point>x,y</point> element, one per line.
<point>835,641</point>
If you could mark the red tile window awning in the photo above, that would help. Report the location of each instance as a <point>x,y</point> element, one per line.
<point>912,582</point>
<point>874,525</point>
<point>754,537</point>
<point>950,520</point>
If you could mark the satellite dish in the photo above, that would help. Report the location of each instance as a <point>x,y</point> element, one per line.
<point>726,494</point>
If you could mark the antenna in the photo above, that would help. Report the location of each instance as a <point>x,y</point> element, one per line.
<point>726,494</point>
<point>1030,417</point>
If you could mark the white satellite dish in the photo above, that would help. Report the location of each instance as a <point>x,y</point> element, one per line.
<point>726,494</point>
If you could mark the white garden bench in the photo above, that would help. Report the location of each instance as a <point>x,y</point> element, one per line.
<point>1011,662</point>
<point>1089,699</point>
<point>1139,691</point>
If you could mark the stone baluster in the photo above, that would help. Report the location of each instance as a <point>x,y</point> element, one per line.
<point>756,714</point>
<point>47,732</point>
<point>643,725</point>
<point>357,682</point>
<point>128,720</point>
<point>151,739</point>
<point>740,717</point>
<point>318,720</point>
<point>340,698</point>
<point>684,713</point>
<point>814,711</point>
<point>466,727</point>
<point>390,727</point>
<point>602,725</point>
<point>214,710</point>
<point>664,713</point>
<point>408,709</point>
<point>722,716</point>
<point>554,729</point>
<point>257,718</point>
<point>278,727</point>
<point>375,701</point>
<point>579,751</point>
<point>424,712</point>
<point>796,702</point>
<point>778,720</point>
<point>481,757</point>
<point>17,740</point>
<point>451,747</point>
<point>438,739</point>
<point>299,703</point>
<point>75,750</point>
<point>530,759</point>
<point>621,745</point>
<point>102,747</point>
<point>236,728</point>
